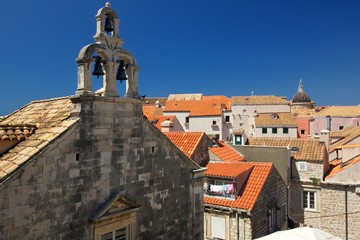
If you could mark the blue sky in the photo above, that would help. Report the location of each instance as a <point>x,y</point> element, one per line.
<point>229,47</point>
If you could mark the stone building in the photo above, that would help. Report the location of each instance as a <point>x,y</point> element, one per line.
<point>243,200</point>
<point>91,166</point>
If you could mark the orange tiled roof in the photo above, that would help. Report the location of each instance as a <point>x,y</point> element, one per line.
<point>51,118</point>
<point>226,153</point>
<point>259,100</point>
<point>185,141</point>
<point>207,106</point>
<point>274,119</point>
<point>149,111</point>
<point>157,120</point>
<point>224,170</point>
<point>343,132</point>
<point>16,132</point>
<point>340,111</point>
<point>308,149</point>
<point>251,190</point>
<point>335,166</point>
<point>354,133</point>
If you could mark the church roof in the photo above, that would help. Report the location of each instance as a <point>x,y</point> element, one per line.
<point>301,96</point>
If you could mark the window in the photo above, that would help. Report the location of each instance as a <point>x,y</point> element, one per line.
<point>264,130</point>
<point>186,120</point>
<point>227,119</point>
<point>214,122</point>
<point>302,132</point>
<point>274,130</point>
<point>285,130</point>
<point>341,127</point>
<point>271,220</point>
<point>218,229</point>
<point>119,234</point>
<point>283,212</point>
<point>309,199</point>
<point>302,166</point>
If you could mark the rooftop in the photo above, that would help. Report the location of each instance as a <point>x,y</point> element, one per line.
<point>307,149</point>
<point>350,134</point>
<point>259,100</point>
<point>206,106</point>
<point>185,141</point>
<point>252,187</point>
<point>50,117</point>
<point>275,119</point>
<point>157,120</point>
<point>225,152</point>
<point>337,166</point>
<point>340,111</point>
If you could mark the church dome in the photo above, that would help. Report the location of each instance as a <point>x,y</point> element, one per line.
<point>301,96</point>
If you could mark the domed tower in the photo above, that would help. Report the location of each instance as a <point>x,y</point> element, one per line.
<point>301,98</point>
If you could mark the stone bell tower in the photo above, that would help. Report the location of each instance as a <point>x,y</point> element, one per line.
<point>110,59</point>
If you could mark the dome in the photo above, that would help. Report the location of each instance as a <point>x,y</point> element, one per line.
<point>301,96</point>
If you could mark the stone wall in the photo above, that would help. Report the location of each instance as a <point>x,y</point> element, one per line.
<point>112,149</point>
<point>274,194</point>
<point>333,211</point>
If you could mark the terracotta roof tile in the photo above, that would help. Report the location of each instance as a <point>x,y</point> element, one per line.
<point>185,141</point>
<point>50,118</point>
<point>258,100</point>
<point>343,133</point>
<point>207,106</point>
<point>226,153</point>
<point>226,170</point>
<point>149,111</point>
<point>157,120</point>
<point>340,111</point>
<point>274,119</point>
<point>308,149</point>
<point>353,134</point>
<point>336,166</point>
<point>251,190</point>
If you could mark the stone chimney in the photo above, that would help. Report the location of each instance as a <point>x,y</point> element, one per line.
<point>167,126</point>
<point>325,138</point>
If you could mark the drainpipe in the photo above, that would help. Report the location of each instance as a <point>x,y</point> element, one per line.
<point>237,225</point>
<point>346,214</point>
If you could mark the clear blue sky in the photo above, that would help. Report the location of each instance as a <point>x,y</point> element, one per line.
<point>229,47</point>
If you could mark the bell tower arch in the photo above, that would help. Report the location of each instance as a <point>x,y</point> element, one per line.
<point>110,60</point>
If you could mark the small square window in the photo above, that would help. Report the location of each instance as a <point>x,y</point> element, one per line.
<point>264,130</point>
<point>302,166</point>
<point>186,119</point>
<point>302,132</point>
<point>227,119</point>
<point>285,130</point>
<point>274,130</point>
<point>341,127</point>
<point>213,122</point>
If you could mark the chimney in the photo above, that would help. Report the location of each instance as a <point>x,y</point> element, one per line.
<point>167,126</point>
<point>325,137</point>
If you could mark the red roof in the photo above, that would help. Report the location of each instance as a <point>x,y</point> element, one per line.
<point>157,120</point>
<point>207,106</point>
<point>336,166</point>
<point>251,190</point>
<point>226,153</point>
<point>185,141</point>
<point>226,170</point>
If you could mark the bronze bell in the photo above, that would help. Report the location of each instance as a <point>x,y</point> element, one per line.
<point>98,69</point>
<point>121,73</point>
<point>108,25</point>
